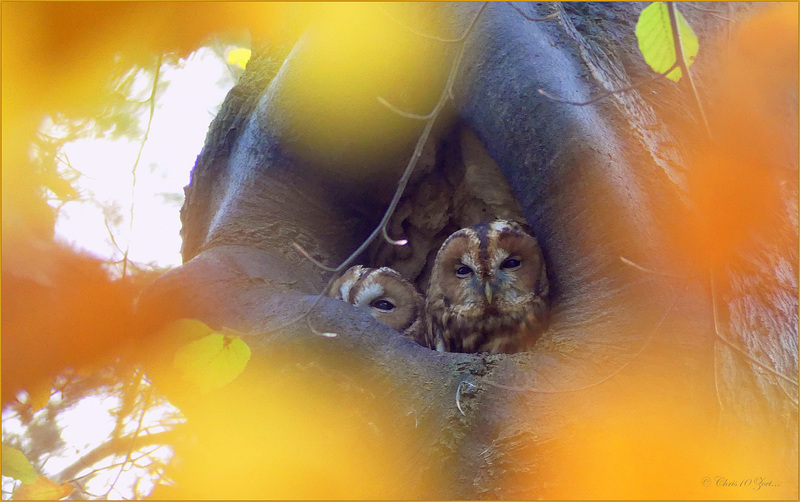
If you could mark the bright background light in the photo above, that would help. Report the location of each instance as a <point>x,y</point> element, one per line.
<point>85,426</point>
<point>189,95</point>
<point>195,88</point>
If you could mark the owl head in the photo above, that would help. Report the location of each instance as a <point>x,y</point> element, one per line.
<point>488,290</point>
<point>386,295</point>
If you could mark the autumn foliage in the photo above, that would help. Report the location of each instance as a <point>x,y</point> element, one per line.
<point>60,308</point>
<point>737,175</point>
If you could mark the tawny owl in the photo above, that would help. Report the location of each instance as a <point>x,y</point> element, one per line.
<point>488,290</point>
<point>385,294</point>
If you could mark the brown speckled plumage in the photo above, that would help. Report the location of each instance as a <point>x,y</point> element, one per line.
<point>387,296</point>
<point>488,291</point>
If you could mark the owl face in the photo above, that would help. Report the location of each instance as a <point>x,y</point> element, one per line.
<point>488,290</point>
<point>387,296</point>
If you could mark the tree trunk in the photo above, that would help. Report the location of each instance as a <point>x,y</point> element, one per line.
<point>631,393</point>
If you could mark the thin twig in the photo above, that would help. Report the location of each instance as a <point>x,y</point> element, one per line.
<point>458,395</point>
<point>416,421</point>
<point>646,270</point>
<point>791,398</point>
<point>403,113</point>
<point>679,59</point>
<point>710,11</point>
<point>111,236</point>
<point>400,242</point>
<point>129,455</point>
<point>152,100</point>
<point>418,33</point>
<point>310,258</point>
<point>716,324</point>
<point>412,163</point>
<point>69,165</point>
<point>605,94</point>
<point>326,334</point>
<point>529,18</point>
<point>680,62</point>
<point>724,340</point>
<point>164,439</point>
<point>401,185</point>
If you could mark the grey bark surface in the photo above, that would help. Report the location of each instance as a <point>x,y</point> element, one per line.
<point>595,184</point>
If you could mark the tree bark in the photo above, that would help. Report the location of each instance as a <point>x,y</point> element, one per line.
<point>629,394</point>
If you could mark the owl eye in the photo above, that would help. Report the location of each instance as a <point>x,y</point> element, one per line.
<point>463,272</point>
<point>382,305</point>
<point>511,263</point>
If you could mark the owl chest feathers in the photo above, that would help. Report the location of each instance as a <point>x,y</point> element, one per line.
<point>498,327</point>
<point>488,290</point>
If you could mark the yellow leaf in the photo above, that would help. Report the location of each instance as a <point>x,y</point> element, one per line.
<point>17,466</point>
<point>212,361</point>
<point>42,489</point>
<point>239,57</point>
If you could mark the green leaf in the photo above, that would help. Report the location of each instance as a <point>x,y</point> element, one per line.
<point>212,361</point>
<point>654,33</point>
<point>16,465</point>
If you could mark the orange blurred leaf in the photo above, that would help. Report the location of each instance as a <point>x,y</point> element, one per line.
<point>42,489</point>
<point>735,180</point>
<point>39,394</point>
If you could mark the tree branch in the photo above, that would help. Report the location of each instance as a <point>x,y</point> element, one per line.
<point>152,100</point>
<point>529,18</point>
<point>118,447</point>
<point>605,94</point>
<point>680,60</point>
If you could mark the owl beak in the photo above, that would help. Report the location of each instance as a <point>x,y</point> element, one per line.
<point>487,289</point>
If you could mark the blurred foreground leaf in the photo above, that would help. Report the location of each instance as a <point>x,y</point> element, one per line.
<point>39,394</point>
<point>211,361</point>
<point>17,466</point>
<point>42,489</point>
